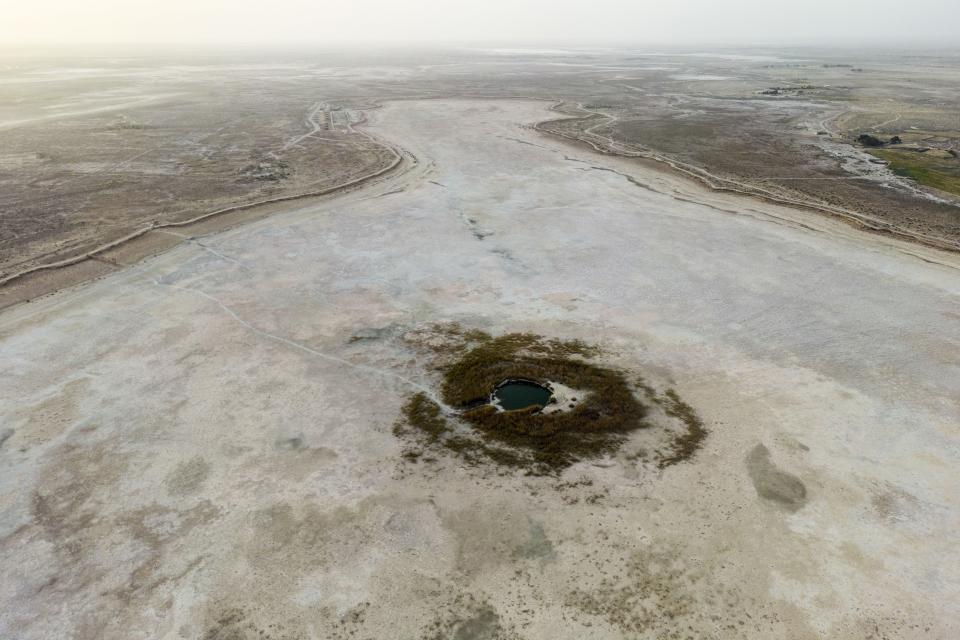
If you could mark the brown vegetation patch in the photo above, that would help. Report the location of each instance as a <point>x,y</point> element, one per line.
<point>685,443</point>
<point>538,442</point>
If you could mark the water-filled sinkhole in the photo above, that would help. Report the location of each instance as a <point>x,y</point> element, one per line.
<point>511,395</point>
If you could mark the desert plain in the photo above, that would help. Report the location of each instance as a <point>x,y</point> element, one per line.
<point>203,438</point>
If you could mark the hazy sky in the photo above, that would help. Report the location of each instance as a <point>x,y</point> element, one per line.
<point>326,22</point>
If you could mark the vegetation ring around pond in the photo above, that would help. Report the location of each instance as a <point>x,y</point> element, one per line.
<point>540,441</point>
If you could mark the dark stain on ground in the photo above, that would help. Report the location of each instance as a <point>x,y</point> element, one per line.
<point>772,484</point>
<point>73,509</point>
<point>156,542</point>
<point>293,443</point>
<point>371,333</point>
<point>188,476</point>
<point>894,505</point>
<point>63,504</point>
<point>485,625</point>
<point>469,618</point>
<point>537,546</point>
<point>500,535</point>
<point>235,624</point>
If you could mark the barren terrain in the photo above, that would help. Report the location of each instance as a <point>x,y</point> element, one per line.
<point>103,162</point>
<point>95,148</point>
<point>204,444</point>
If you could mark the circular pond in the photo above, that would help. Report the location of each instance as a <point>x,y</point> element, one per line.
<point>520,394</point>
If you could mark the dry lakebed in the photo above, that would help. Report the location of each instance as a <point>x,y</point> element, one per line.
<point>269,432</point>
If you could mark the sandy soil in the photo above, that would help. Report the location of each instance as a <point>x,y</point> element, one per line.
<point>747,149</point>
<point>72,181</point>
<point>194,447</point>
<point>94,147</point>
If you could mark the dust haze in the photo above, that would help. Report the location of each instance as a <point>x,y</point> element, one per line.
<point>517,23</point>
